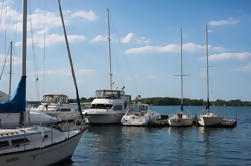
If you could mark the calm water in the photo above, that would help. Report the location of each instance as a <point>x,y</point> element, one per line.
<point>118,145</point>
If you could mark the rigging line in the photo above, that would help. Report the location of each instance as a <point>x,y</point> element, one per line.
<point>34,58</point>
<point>6,57</point>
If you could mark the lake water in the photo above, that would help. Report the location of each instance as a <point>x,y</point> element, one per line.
<point>108,145</point>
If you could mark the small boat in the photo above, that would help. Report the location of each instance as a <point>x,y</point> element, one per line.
<point>181,119</point>
<point>209,118</point>
<point>108,107</point>
<point>139,115</point>
<point>57,105</point>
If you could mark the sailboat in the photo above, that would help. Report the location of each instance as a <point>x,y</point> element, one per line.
<point>181,119</point>
<point>209,118</point>
<point>111,104</point>
<point>31,117</point>
<point>34,145</point>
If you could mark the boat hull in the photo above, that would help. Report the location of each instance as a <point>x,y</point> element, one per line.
<point>42,156</point>
<point>104,118</point>
<point>133,121</point>
<point>180,122</point>
<point>209,121</point>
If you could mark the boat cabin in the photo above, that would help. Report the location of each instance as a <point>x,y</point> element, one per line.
<point>138,109</point>
<point>55,98</point>
<point>109,94</point>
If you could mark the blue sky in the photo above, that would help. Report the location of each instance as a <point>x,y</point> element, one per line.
<point>145,47</point>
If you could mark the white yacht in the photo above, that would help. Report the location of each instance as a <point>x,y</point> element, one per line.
<point>108,107</point>
<point>181,119</point>
<point>139,115</point>
<point>56,105</point>
<point>209,118</point>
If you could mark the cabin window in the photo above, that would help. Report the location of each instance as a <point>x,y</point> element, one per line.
<point>117,108</point>
<point>4,143</point>
<point>101,106</point>
<point>64,110</point>
<point>17,142</point>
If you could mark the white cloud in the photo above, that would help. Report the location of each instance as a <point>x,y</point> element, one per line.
<point>246,68</point>
<point>223,22</point>
<point>51,39</point>
<point>127,38</point>
<point>88,15</point>
<point>225,56</point>
<point>153,49</point>
<point>97,39</point>
<point>15,60</point>
<point>172,48</point>
<point>142,40</point>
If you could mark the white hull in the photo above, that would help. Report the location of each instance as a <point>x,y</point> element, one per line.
<point>180,122</point>
<point>104,118</point>
<point>205,120</point>
<point>135,121</point>
<point>42,156</point>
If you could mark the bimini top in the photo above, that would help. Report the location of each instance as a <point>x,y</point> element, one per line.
<point>55,98</point>
<point>109,93</point>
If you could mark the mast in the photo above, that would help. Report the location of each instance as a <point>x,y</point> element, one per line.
<point>181,71</point>
<point>208,104</point>
<point>69,56</point>
<point>10,69</point>
<point>21,114</point>
<point>109,48</point>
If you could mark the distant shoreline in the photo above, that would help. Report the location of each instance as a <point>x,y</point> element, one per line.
<point>172,101</point>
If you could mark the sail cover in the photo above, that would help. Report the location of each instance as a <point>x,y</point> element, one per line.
<point>17,103</point>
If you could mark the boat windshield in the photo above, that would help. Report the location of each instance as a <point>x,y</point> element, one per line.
<point>101,106</point>
<point>62,99</point>
<point>138,108</point>
<point>110,94</point>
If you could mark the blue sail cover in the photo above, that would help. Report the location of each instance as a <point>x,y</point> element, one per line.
<point>18,102</point>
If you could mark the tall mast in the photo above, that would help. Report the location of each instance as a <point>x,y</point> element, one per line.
<point>181,71</point>
<point>10,68</point>
<point>109,48</point>
<point>208,104</point>
<point>21,114</point>
<point>69,56</point>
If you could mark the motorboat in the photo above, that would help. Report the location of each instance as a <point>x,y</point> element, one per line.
<point>181,119</point>
<point>108,107</point>
<point>57,105</point>
<point>139,115</point>
<point>209,118</point>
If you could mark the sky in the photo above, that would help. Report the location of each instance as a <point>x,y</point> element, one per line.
<point>145,47</point>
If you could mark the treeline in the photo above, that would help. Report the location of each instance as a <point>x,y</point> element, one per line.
<point>191,102</point>
<point>176,101</point>
<point>82,100</point>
